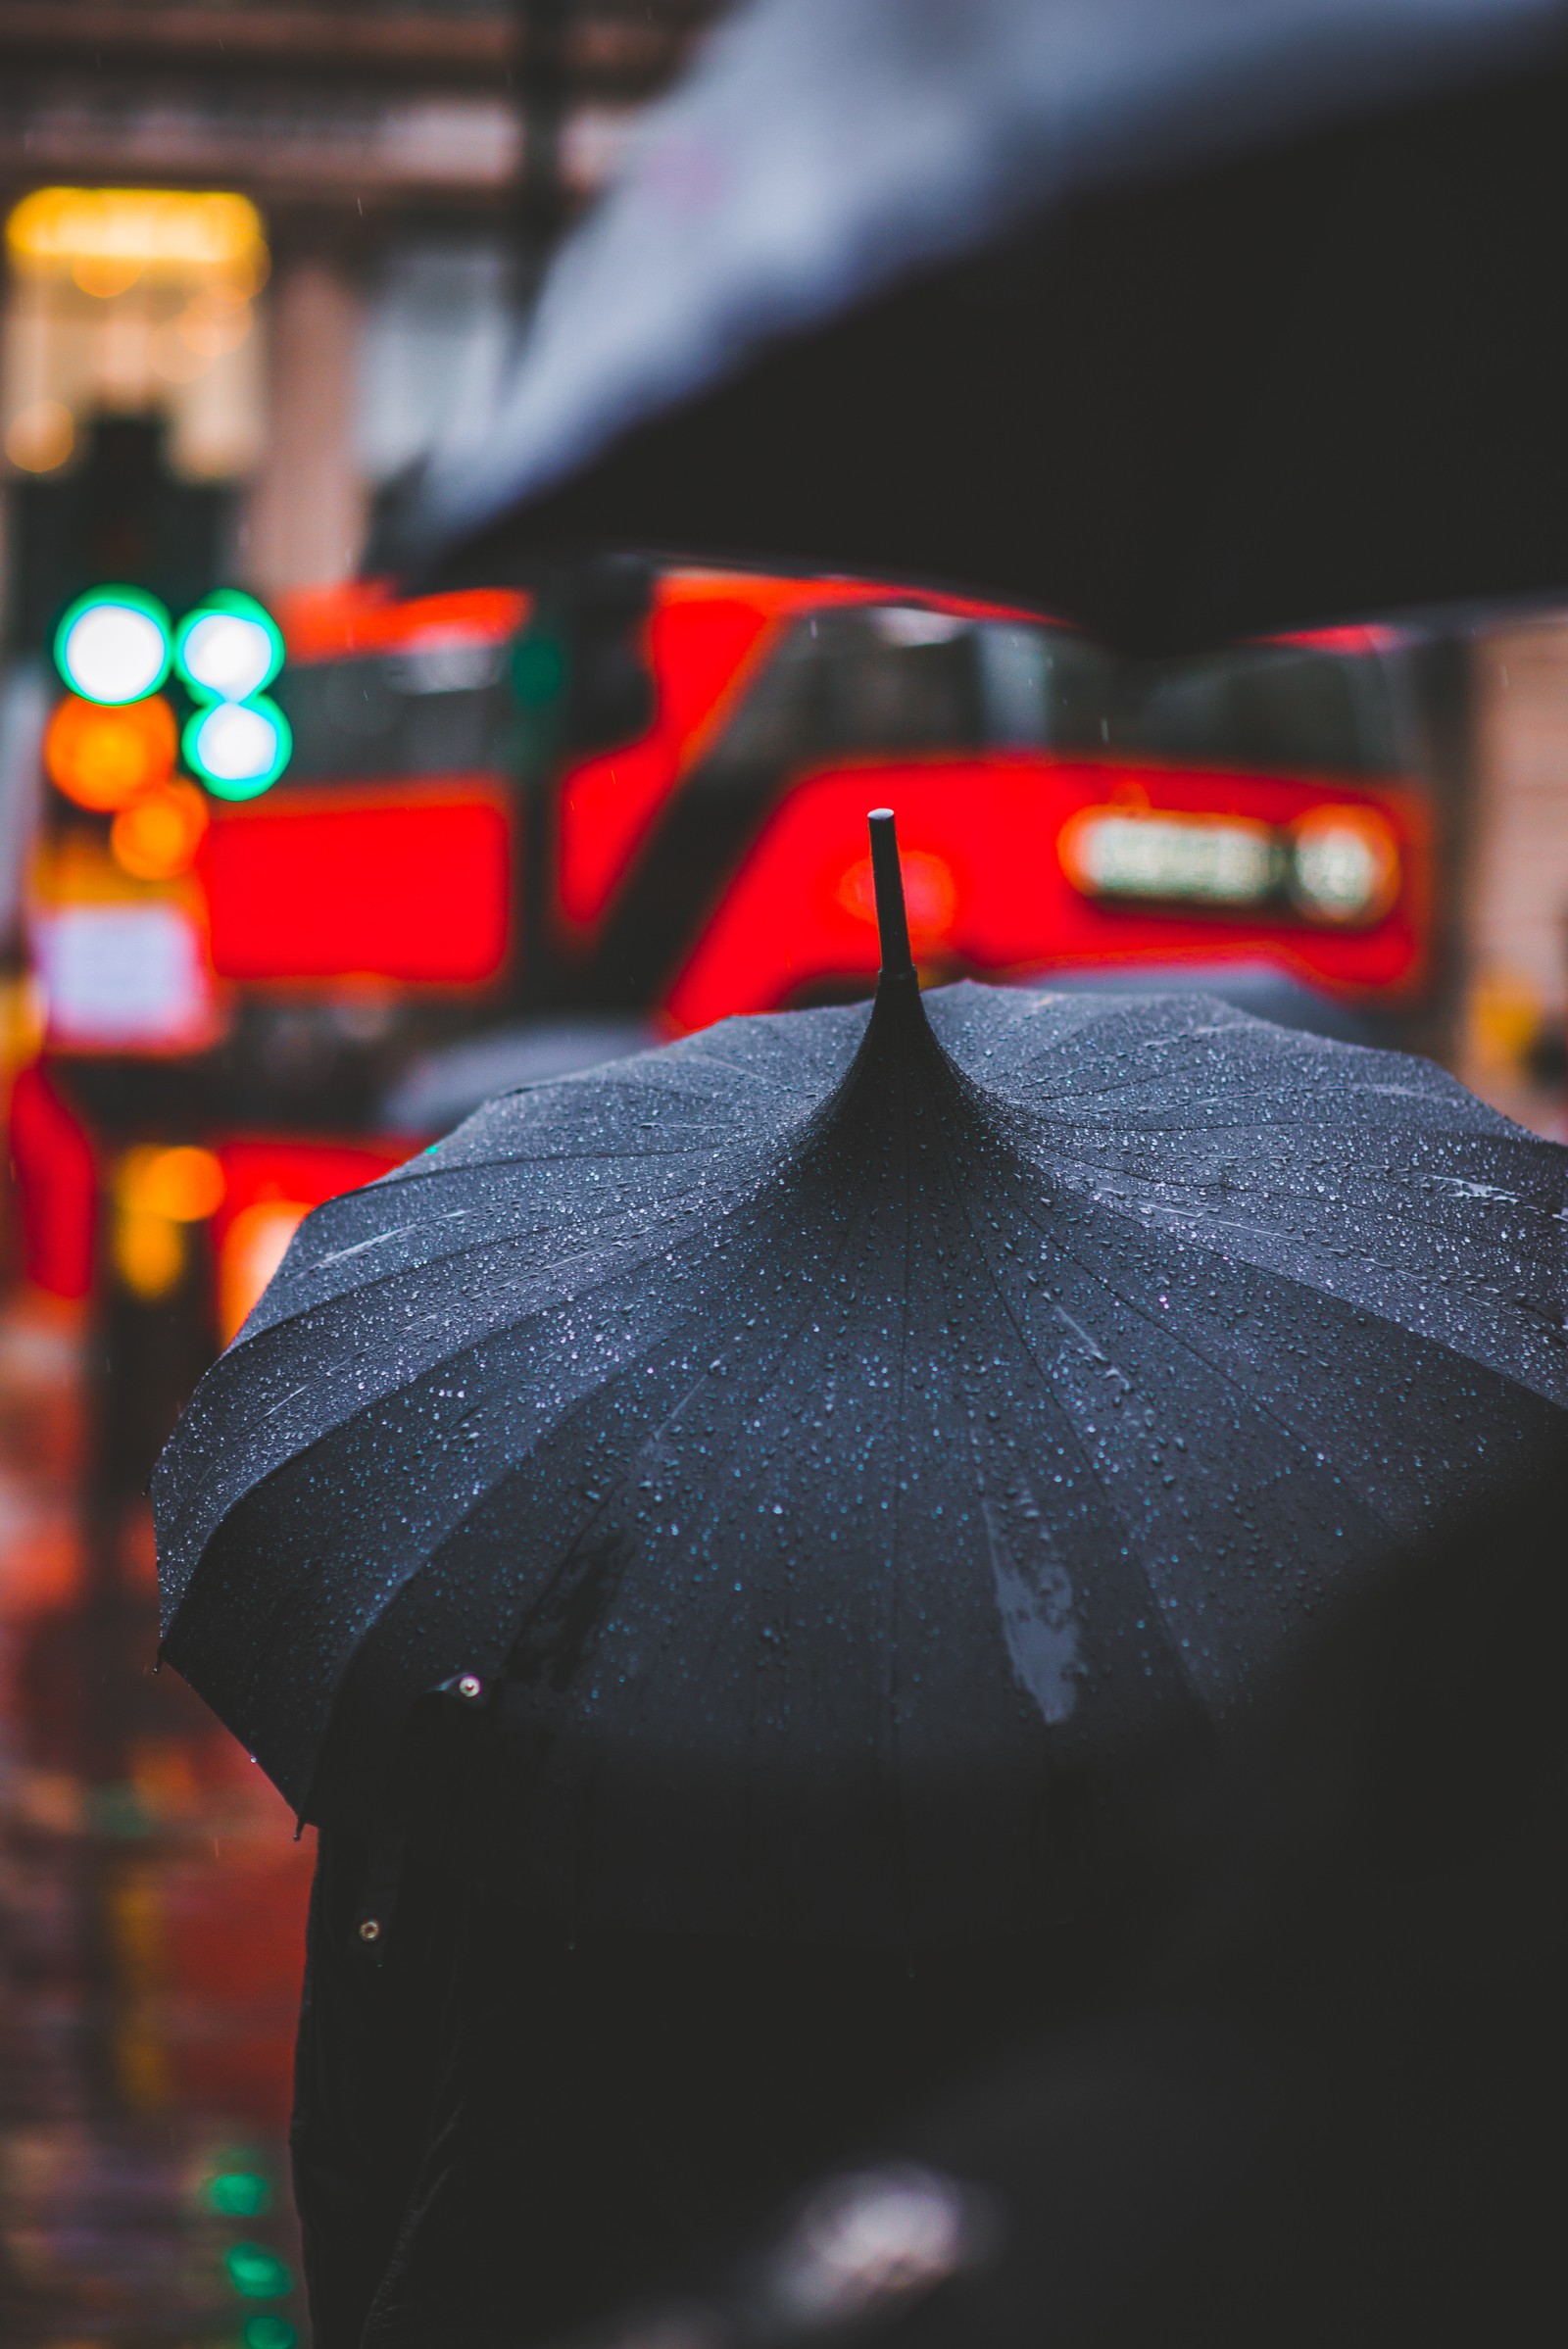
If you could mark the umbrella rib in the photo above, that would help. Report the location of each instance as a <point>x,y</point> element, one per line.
<point>479,1500</point>
<point>1201,1233</point>
<point>760,1391</point>
<point>896,1563</point>
<point>1208,1234</point>
<point>1252,1402</point>
<point>677,1208</point>
<point>1135,1187</point>
<point>436,1364</point>
<point>1049,1386</point>
<point>638,1155</point>
<point>438,1361</point>
<point>383,1278</point>
<point>1241,1030</point>
<point>713,1517</point>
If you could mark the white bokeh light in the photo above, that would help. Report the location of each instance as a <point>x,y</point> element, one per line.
<point>229,653</point>
<point>114,653</point>
<point>237,746</point>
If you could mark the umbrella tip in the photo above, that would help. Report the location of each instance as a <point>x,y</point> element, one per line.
<point>892,923</point>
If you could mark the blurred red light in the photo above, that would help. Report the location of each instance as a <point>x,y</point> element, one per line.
<point>260,1169</point>
<point>269,1187</point>
<point>337,623</point>
<point>359,883</point>
<point>56,1184</point>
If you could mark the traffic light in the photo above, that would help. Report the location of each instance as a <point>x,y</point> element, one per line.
<point>158,833</point>
<point>112,742</point>
<point>103,758</point>
<point>113,646</point>
<point>237,741</point>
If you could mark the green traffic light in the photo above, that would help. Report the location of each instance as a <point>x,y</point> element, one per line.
<point>239,2194</point>
<point>238,749</point>
<point>229,648</point>
<point>258,2273</point>
<point>268,2333</point>
<point>113,646</point>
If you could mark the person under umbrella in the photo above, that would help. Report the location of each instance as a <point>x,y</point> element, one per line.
<point>706,1540</point>
<point>1320,2097</point>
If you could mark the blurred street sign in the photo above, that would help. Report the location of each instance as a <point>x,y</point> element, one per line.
<point>123,977</point>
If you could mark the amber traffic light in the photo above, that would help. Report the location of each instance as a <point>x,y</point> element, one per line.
<point>158,834</point>
<point>102,756</point>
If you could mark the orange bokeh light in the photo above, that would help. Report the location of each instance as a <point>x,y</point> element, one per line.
<point>930,895</point>
<point>182,1183</point>
<point>103,758</point>
<point>252,1249</point>
<point>159,833</point>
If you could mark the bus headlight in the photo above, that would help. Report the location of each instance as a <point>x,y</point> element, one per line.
<point>1334,864</point>
<point>1133,852</point>
<point>1343,864</point>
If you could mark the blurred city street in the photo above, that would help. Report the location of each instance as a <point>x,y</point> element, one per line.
<point>306,852</point>
<point>151,1911</point>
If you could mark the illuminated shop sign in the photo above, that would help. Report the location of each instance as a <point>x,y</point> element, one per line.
<point>123,977</point>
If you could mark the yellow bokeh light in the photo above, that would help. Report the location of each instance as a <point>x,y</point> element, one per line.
<point>40,437</point>
<point>149,1253</point>
<point>103,275</point>
<point>254,1247</point>
<point>106,237</point>
<point>178,1182</point>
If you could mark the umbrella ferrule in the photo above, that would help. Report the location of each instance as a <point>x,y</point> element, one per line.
<point>887,880</point>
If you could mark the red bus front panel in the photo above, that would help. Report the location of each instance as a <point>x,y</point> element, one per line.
<point>1001,881</point>
<point>414,884</point>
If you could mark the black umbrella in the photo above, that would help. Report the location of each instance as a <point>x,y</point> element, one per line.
<point>809,1444</point>
<point>1184,319</point>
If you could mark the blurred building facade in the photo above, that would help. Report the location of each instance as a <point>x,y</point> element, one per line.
<point>1515,1047</point>
<point>406,163</point>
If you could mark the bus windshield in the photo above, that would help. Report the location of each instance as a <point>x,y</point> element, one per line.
<point>886,678</point>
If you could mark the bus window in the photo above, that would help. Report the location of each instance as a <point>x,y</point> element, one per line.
<point>1270,708</point>
<point>880,678</point>
<point>430,709</point>
<point>886,678</point>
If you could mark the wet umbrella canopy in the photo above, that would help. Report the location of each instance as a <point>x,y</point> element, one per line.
<point>1181,318</point>
<point>802,1441</point>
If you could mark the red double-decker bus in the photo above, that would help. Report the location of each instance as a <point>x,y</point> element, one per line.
<point>448,892</point>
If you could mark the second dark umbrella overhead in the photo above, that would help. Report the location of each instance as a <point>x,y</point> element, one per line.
<point>806,1443</point>
<point>1181,318</point>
